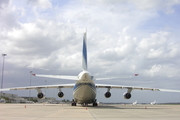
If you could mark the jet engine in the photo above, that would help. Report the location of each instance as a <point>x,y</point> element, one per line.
<point>40,95</point>
<point>107,94</point>
<point>127,95</point>
<point>60,94</point>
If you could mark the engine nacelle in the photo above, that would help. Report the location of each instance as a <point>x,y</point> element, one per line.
<point>127,95</point>
<point>41,96</point>
<point>107,94</point>
<point>60,94</point>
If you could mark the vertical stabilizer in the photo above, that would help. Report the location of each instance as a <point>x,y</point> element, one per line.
<point>84,54</point>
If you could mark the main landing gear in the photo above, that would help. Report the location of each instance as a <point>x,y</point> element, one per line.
<point>73,103</point>
<point>95,103</point>
<point>85,104</point>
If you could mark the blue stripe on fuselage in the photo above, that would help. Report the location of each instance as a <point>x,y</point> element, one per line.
<point>80,84</point>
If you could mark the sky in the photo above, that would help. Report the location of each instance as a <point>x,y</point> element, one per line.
<point>124,37</point>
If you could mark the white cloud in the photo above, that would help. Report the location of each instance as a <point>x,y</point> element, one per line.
<point>155,69</point>
<point>155,5</point>
<point>163,70</point>
<point>155,53</point>
<point>8,17</point>
<point>4,4</point>
<point>40,3</point>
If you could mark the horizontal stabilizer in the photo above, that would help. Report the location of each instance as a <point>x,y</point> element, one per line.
<point>66,77</point>
<point>110,78</point>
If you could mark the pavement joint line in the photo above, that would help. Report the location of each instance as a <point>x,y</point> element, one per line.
<point>92,114</point>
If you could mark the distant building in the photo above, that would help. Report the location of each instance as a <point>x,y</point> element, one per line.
<point>13,98</point>
<point>46,99</point>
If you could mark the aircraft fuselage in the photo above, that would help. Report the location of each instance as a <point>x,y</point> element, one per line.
<point>84,90</point>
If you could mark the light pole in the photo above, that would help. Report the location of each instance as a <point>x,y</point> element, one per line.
<point>30,85</point>
<point>3,55</point>
<point>45,88</point>
<point>45,92</point>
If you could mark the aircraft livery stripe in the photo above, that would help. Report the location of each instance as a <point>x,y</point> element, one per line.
<point>79,85</point>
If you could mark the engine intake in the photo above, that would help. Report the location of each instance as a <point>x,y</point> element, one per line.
<point>107,94</point>
<point>40,95</point>
<point>127,95</point>
<point>60,94</point>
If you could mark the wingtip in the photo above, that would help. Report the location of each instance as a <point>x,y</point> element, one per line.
<point>167,90</point>
<point>5,89</point>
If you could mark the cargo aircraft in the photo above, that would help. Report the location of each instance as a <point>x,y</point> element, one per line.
<point>84,89</point>
<point>134,103</point>
<point>153,103</point>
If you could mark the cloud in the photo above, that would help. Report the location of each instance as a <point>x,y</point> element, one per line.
<point>146,5</point>
<point>44,4</point>
<point>159,46</point>
<point>44,37</point>
<point>3,3</point>
<point>8,15</point>
<point>38,43</point>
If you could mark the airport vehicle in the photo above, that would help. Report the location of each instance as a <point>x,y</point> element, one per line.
<point>84,89</point>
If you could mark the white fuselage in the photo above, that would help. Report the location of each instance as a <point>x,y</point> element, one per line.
<point>134,103</point>
<point>84,90</point>
<point>152,103</point>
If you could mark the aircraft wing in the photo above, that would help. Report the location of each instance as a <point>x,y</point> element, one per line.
<point>66,77</point>
<point>133,88</point>
<point>40,87</point>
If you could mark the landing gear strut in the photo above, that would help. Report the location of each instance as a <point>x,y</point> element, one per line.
<point>73,103</point>
<point>95,103</point>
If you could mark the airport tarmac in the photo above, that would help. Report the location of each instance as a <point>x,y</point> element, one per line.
<point>102,112</point>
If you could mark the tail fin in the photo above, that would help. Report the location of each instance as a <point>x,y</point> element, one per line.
<point>84,54</point>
